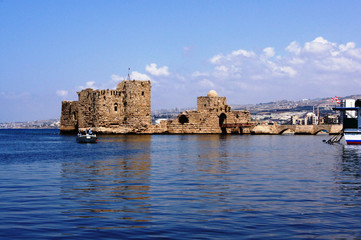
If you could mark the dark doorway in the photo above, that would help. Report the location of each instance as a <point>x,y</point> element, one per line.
<point>222,118</point>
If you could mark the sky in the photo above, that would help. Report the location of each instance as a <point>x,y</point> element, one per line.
<point>248,51</point>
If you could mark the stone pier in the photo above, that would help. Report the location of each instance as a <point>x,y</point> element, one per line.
<point>296,129</point>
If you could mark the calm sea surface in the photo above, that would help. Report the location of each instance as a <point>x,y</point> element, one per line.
<point>178,187</point>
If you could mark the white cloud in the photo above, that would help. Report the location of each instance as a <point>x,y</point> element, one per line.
<point>221,68</point>
<point>216,59</point>
<point>347,46</point>
<point>139,76</point>
<point>319,45</point>
<point>206,83</point>
<point>116,78</point>
<point>90,84</point>
<point>294,48</point>
<point>199,74</point>
<point>354,53</point>
<point>269,52</point>
<point>153,70</point>
<point>288,70</point>
<point>62,93</point>
<point>315,67</point>
<point>244,53</point>
<point>296,61</point>
<point>180,77</point>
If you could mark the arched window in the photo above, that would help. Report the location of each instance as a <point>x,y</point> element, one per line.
<point>115,107</point>
<point>183,119</point>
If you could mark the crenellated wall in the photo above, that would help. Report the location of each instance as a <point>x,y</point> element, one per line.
<point>123,110</point>
<point>212,112</point>
<point>127,109</point>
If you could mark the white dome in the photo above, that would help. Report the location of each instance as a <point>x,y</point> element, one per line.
<point>212,93</point>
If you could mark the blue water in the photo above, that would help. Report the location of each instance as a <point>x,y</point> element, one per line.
<point>178,187</point>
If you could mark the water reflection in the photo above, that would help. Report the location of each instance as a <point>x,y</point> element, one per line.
<point>180,187</point>
<point>204,175</point>
<point>212,154</point>
<point>351,159</point>
<point>116,187</point>
<point>349,178</point>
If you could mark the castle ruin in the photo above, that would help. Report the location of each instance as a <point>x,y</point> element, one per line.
<point>123,110</point>
<point>211,116</point>
<point>127,110</point>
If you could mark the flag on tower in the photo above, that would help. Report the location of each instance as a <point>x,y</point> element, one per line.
<point>335,99</point>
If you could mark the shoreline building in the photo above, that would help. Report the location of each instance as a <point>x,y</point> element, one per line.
<point>127,110</point>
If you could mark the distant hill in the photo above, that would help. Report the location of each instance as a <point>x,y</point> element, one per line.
<point>37,124</point>
<point>323,104</point>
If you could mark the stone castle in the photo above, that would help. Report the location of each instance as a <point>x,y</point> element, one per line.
<point>127,110</point>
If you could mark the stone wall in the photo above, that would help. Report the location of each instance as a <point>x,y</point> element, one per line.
<point>212,112</point>
<point>136,103</point>
<point>124,110</point>
<point>100,108</point>
<point>212,104</point>
<point>127,109</point>
<point>296,129</point>
<point>69,117</point>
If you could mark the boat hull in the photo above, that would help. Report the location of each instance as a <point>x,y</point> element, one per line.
<point>86,139</point>
<point>353,138</point>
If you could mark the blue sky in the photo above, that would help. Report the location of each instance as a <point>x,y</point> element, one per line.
<point>248,51</point>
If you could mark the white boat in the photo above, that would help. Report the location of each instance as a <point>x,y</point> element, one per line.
<point>352,136</point>
<point>351,120</point>
<point>86,138</point>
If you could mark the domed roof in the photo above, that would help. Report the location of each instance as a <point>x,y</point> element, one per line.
<point>212,93</point>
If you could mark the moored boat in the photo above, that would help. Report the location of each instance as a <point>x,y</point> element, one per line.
<point>86,138</point>
<point>352,136</point>
<point>351,120</point>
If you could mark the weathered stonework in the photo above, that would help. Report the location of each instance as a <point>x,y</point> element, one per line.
<point>296,129</point>
<point>212,113</point>
<point>127,110</point>
<point>123,110</point>
<point>69,116</point>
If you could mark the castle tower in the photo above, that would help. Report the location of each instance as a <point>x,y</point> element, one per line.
<point>126,109</point>
<point>212,103</point>
<point>136,102</point>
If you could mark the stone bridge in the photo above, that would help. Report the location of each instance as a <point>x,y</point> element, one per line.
<point>296,129</point>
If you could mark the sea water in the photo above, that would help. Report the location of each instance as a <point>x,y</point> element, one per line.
<point>178,187</point>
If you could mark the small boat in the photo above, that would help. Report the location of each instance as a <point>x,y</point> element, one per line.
<point>351,120</point>
<point>86,138</point>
